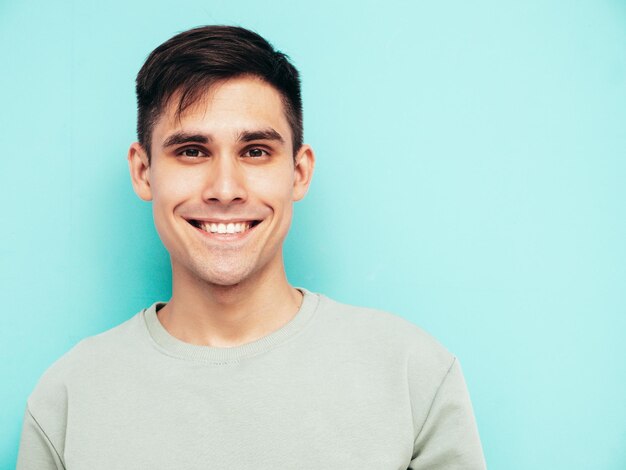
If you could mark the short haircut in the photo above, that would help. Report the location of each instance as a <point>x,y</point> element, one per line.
<point>191,62</point>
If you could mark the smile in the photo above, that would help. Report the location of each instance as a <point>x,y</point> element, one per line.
<point>224,227</point>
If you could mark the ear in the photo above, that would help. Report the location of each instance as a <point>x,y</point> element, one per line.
<point>303,171</point>
<point>139,167</point>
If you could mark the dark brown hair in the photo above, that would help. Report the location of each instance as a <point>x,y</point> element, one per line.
<point>190,62</point>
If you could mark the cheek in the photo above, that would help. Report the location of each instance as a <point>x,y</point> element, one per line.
<point>171,188</point>
<point>275,188</point>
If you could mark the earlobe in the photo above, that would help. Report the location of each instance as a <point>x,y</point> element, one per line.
<point>304,166</point>
<point>139,167</point>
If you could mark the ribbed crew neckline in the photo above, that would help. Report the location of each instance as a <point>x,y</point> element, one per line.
<point>180,349</point>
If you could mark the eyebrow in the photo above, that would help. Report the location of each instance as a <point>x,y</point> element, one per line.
<point>185,138</point>
<point>244,136</point>
<point>261,134</point>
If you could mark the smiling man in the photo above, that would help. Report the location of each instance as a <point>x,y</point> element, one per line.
<point>222,176</point>
<point>239,369</point>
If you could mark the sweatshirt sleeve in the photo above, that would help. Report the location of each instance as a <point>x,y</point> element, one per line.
<point>36,451</point>
<point>449,437</point>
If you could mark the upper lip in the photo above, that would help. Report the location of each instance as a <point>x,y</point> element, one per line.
<point>222,221</point>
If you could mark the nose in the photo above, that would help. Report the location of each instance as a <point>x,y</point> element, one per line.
<point>225,181</point>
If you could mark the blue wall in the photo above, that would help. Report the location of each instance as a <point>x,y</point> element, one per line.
<point>471,177</point>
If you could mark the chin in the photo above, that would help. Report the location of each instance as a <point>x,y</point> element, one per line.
<point>227,276</point>
<point>224,281</point>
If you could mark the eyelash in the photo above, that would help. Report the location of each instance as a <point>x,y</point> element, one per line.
<point>202,154</point>
<point>265,152</point>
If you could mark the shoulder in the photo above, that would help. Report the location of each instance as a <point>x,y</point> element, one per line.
<point>395,351</point>
<point>84,367</point>
<point>85,360</point>
<point>385,333</point>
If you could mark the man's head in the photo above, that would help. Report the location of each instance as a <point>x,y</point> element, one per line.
<point>188,64</point>
<point>222,158</point>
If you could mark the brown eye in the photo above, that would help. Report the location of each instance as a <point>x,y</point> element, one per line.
<point>255,153</point>
<point>190,153</point>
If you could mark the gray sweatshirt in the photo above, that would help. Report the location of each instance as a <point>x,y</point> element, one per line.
<point>338,387</point>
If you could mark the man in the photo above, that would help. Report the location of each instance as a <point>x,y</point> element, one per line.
<point>239,369</point>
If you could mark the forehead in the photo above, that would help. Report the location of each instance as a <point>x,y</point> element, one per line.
<point>226,107</point>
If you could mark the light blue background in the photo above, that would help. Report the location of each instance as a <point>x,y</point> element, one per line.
<point>471,177</point>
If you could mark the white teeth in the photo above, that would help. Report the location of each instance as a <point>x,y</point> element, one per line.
<point>231,227</point>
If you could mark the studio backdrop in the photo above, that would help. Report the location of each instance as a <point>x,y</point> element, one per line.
<point>471,177</point>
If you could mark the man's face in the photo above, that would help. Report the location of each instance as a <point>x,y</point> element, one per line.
<point>222,181</point>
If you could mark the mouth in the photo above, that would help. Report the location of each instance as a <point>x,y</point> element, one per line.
<point>224,228</point>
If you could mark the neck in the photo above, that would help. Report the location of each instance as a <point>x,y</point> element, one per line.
<point>227,316</point>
